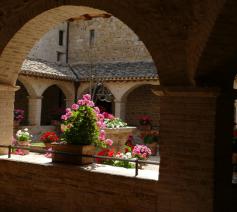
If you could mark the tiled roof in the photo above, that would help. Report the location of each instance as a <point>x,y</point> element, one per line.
<point>82,72</point>
<point>117,71</point>
<point>47,70</point>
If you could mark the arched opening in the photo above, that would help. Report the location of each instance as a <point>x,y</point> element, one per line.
<point>53,105</point>
<point>142,101</point>
<point>21,102</point>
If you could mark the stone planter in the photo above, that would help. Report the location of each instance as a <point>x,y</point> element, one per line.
<point>24,144</point>
<point>76,149</point>
<point>119,137</point>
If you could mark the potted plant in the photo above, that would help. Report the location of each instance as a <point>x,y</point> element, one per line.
<point>18,117</point>
<point>48,138</point>
<point>145,122</point>
<point>151,141</point>
<point>82,132</point>
<point>23,138</point>
<point>113,122</point>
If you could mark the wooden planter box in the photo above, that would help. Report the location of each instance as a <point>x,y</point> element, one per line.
<point>76,149</point>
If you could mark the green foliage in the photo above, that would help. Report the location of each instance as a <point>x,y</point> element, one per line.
<point>151,138</point>
<point>115,123</point>
<point>81,127</point>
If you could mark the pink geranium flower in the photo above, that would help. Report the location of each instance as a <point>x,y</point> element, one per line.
<point>75,106</point>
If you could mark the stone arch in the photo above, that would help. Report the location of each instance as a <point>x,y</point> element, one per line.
<point>32,91</point>
<point>53,104</point>
<point>135,85</point>
<point>140,100</point>
<point>146,20</point>
<point>68,90</point>
<point>217,63</point>
<point>86,89</point>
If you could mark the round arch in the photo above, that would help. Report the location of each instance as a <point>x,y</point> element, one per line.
<point>136,85</point>
<point>29,87</point>
<point>147,25</point>
<point>53,104</point>
<point>66,89</point>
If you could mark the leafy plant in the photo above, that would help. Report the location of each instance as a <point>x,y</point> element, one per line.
<point>84,124</point>
<point>151,138</point>
<point>113,122</point>
<point>23,135</point>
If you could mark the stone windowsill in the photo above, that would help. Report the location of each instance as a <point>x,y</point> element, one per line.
<point>150,172</point>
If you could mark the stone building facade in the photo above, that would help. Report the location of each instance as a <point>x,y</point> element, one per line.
<point>73,52</point>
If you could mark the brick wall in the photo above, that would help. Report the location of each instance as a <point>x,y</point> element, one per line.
<point>142,101</point>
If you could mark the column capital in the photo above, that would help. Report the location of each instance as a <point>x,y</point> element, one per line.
<point>5,87</point>
<point>35,97</point>
<point>119,101</point>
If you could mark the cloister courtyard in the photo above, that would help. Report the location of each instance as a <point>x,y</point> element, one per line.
<point>118,105</point>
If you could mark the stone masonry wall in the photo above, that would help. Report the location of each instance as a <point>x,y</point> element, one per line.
<point>113,42</point>
<point>48,46</point>
<point>142,101</point>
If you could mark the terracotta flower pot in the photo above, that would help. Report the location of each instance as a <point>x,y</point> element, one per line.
<point>24,144</point>
<point>47,145</point>
<point>76,149</point>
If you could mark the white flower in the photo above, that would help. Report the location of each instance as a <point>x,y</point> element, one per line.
<point>26,129</point>
<point>129,155</point>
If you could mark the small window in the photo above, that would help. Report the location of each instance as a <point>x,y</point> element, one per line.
<point>60,38</point>
<point>59,56</point>
<point>92,37</point>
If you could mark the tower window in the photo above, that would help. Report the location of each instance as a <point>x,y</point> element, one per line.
<point>92,37</point>
<point>59,56</point>
<point>60,37</point>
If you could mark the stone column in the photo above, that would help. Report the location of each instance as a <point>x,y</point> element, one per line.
<point>188,142</point>
<point>69,102</point>
<point>7,97</point>
<point>120,109</point>
<point>35,106</point>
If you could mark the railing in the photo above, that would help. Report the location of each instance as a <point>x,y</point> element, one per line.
<point>37,150</point>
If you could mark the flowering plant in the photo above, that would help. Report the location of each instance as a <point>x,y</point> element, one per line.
<point>18,115</point>
<point>49,137</point>
<point>145,120</point>
<point>113,122</point>
<point>23,135</point>
<point>129,144</point>
<point>84,124</point>
<point>125,164</point>
<point>111,153</point>
<point>141,152</point>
